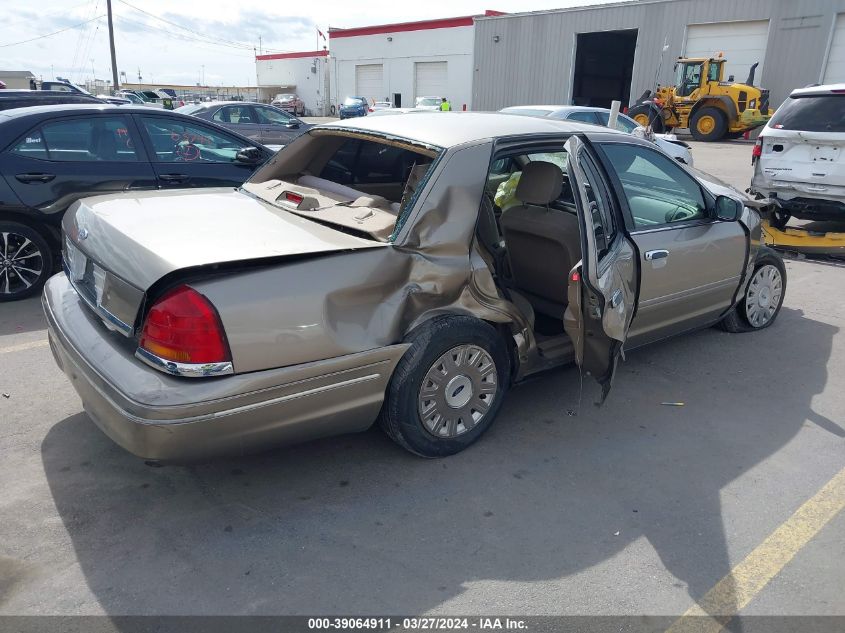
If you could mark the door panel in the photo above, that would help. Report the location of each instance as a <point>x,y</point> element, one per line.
<point>603,293</point>
<point>693,283</point>
<point>192,155</point>
<point>277,128</point>
<point>67,159</point>
<point>691,264</point>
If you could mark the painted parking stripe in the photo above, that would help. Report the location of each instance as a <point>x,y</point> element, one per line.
<point>733,592</point>
<point>24,346</point>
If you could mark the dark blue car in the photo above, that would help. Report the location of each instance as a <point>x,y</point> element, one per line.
<point>354,106</point>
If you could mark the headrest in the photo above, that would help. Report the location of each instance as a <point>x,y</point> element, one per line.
<point>541,183</point>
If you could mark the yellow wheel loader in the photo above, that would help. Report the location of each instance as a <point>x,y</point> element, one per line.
<point>700,100</point>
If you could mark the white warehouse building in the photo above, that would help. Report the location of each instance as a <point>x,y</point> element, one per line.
<point>400,62</point>
<point>305,74</point>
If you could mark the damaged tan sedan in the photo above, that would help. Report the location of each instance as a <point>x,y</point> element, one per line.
<point>401,269</point>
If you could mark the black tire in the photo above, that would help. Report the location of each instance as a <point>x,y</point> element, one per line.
<point>779,218</point>
<point>706,115</point>
<point>22,249</point>
<point>400,416</point>
<point>651,114</point>
<point>738,320</point>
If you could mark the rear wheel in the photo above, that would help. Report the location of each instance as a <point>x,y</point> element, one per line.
<point>447,388</point>
<point>708,124</point>
<point>26,261</point>
<point>763,298</point>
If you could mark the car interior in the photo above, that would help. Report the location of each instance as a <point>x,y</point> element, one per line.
<point>528,226</point>
<point>353,183</point>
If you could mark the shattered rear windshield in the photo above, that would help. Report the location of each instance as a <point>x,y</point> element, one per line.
<point>811,113</point>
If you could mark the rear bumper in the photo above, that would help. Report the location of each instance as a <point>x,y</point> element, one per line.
<point>160,417</point>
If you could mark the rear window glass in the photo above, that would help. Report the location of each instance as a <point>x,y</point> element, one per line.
<point>818,113</point>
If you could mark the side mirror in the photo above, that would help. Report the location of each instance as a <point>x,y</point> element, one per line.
<point>727,208</point>
<point>248,156</point>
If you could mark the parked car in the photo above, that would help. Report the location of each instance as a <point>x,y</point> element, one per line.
<point>799,157</point>
<point>53,155</point>
<point>370,277</point>
<point>10,99</point>
<point>263,123</point>
<point>669,143</point>
<point>381,105</point>
<point>135,99</point>
<point>353,107</point>
<point>291,103</point>
<point>428,103</point>
<point>67,87</point>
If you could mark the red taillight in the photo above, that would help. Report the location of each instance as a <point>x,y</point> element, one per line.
<point>757,152</point>
<point>184,327</point>
<point>371,110</point>
<point>575,276</point>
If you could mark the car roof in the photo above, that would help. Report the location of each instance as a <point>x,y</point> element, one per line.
<point>70,108</point>
<point>448,129</point>
<point>825,89</point>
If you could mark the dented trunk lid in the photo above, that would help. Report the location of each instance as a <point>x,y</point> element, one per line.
<point>118,246</point>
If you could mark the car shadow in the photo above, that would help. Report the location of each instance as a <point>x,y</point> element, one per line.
<point>354,525</point>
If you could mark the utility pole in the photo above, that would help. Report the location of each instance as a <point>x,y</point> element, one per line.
<point>115,82</point>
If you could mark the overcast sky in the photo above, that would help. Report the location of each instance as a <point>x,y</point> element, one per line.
<point>171,40</point>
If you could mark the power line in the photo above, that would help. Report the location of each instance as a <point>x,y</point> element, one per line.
<point>196,42</point>
<point>41,37</point>
<point>65,10</point>
<point>219,41</point>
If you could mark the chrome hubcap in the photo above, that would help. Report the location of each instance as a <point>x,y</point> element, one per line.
<point>457,391</point>
<point>763,296</point>
<point>21,263</point>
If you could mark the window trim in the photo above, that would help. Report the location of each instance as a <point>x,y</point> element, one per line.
<point>140,147</point>
<point>622,198</point>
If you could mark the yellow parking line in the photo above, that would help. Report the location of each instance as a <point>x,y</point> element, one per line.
<point>747,579</point>
<point>24,346</point>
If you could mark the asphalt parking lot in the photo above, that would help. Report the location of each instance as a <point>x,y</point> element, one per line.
<point>562,508</point>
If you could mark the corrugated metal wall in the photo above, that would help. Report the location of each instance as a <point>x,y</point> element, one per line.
<point>528,58</point>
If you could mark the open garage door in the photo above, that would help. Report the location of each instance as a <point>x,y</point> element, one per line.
<point>743,44</point>
<point>834,71</point>
<point>430,79</point>
<point>604,63</point>
<point>369,82</point>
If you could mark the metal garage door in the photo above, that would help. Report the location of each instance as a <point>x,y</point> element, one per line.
<point>430,79</point>
<point>743,43</point>
<point>369,82</point>
<point>834,71</point>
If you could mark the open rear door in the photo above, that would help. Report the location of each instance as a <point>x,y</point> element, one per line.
<point>603,286</point>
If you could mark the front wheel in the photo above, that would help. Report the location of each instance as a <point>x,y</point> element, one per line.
<point>26,261</point>
<point>646,115</point>
<point>763,298</point>
<point>708,124</point>
<point>448,387</point>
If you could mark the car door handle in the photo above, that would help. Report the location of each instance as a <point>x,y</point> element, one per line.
<point>35,177</point>
<point>658,254</point>
<point>174,177</point>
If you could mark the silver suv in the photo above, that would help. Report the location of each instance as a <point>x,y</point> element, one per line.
<point>799,157</point>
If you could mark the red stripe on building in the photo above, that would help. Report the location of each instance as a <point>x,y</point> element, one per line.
<point>423,25</point>
<point>293,55</point>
